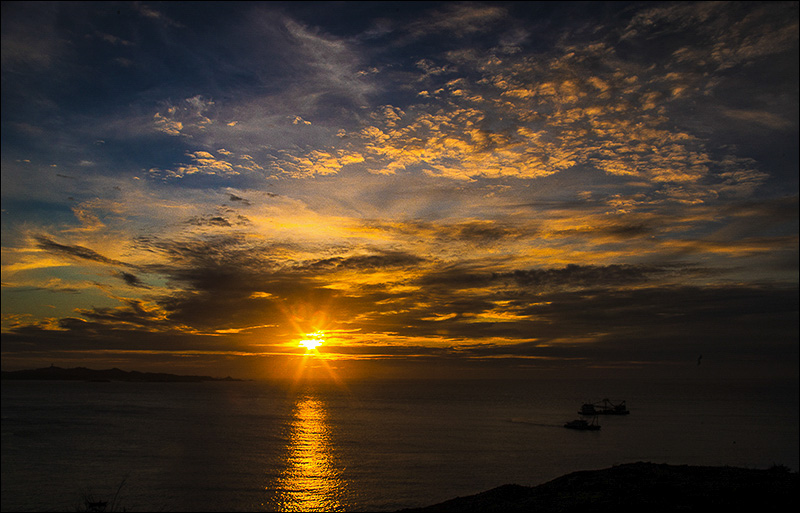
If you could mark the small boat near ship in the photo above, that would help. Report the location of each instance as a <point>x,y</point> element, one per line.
<point>604,407</point>
<point>583,425</point>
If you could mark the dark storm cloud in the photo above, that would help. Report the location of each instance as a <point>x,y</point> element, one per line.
<point>133,313</point>
<point>570,276</point>
<point>738,322</point>
<point>231,263</point>
<point>228,285</point>
<point>748,325</point>
<point>220,250</point>
<point>477,232</point>
<point>652,324</point>
<point>473,304</point>
<point>456,277</point>
<point>209,221</point>
<point>760,218</point>
<point>225,283</point>
<point>81,336</point>
<point>132,280</point>
<point>381,260</point>
<point>75,251</point>
<point>236,198</point>
<point>583,276</point>
<point>49,288</point>
<point>382,351</point>
<point>616,230</point>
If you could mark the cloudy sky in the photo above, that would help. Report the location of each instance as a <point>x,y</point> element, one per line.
<point>431,187</point>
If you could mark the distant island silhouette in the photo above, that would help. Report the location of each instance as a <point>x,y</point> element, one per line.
<point>83,374</point>
<point>638,487</point>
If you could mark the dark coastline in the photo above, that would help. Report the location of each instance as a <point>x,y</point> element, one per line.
<point>640,487</point>
<point>84,374</point>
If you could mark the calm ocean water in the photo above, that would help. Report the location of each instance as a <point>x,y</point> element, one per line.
<point>371,446</point>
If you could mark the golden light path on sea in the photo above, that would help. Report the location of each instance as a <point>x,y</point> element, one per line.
<point>311,480</point>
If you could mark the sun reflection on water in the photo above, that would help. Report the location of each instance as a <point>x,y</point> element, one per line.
<point>311,481</point>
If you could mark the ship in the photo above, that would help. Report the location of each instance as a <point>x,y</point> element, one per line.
<point>604,407</point>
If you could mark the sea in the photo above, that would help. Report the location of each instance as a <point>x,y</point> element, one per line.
<point>376,445</point>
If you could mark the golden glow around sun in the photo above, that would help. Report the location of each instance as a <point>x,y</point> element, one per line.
<point>311,341</point>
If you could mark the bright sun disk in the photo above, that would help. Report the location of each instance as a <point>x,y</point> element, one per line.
<point>312,340</point>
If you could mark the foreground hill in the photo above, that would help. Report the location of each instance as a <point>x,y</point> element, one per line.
<point>84,374</point>
<point>640,487</point>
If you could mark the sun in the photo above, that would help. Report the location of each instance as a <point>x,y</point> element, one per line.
<point>312,341</point>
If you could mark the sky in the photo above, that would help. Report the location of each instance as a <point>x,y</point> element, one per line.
<point>427,189</point>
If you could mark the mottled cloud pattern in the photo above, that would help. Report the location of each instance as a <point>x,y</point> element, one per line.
<point>515,185</point>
